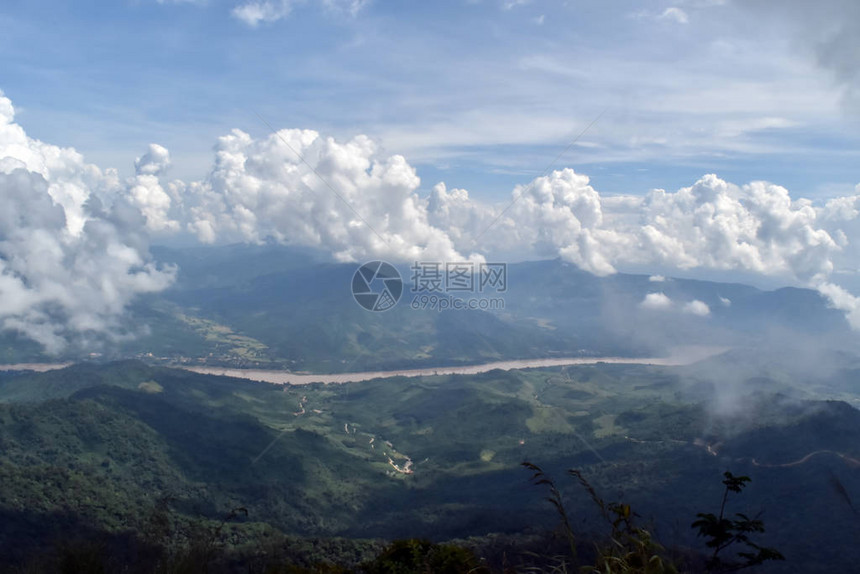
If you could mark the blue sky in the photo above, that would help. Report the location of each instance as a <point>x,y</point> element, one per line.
<point>479,94</point>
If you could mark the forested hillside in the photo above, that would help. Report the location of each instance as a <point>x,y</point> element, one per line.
<point>108,449</point>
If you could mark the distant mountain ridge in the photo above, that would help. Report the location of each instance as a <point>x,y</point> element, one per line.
<point>278,307</point>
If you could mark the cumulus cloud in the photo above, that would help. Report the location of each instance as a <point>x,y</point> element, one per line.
<point>146,192</point>
<point>661,302</point>
<point>696,307</point>
<point>557,214</point>
<point>712,224</point>
<point>462,218</point>
<point>656,301</point>
<point>844,301</point>
<point>563,211</point>
<point>717,225</point>
<point>73,246</point>
<point>155,161</point>
<point>298,187</point>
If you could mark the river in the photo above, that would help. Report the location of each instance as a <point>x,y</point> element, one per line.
<point>678,357</point>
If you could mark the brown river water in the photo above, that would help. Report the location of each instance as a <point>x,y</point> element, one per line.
<point>680,356</point>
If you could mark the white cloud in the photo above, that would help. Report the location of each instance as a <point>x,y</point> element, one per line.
<point>155,161</point>
<point>713,224</point>
<point>73,247</point>
<point>696,307</point>
<point>252,13</point>
<point>674,14</point>
<point>661,302</point>
<point>557,214</point>
<point>656,301</point>
<point>146,192</point>
<point>656,279</point>
<point>350,202</point>
<point>265,11</point>
<point>717,225</point>
<point>842,300</point>
<point>462,219</point>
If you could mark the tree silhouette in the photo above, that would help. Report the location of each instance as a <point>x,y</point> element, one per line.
<point>722,533</point>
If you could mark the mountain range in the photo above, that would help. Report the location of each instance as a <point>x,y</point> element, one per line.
<point>277,307</point>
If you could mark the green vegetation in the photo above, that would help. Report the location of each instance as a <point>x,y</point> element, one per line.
<point>413,556</point>
<point>630,549</point>
<point>96,452</point>
<point>722,533</point>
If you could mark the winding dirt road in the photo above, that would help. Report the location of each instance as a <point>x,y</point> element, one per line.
<point>851,461</point>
